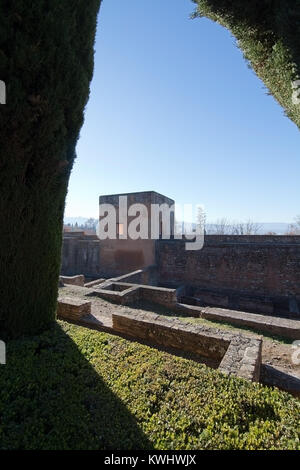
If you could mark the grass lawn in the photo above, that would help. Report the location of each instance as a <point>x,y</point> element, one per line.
<point>74,388</point>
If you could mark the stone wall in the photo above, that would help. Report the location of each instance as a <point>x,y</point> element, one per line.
<point>172,333</point>
<point>119,257</point>
<point>77,280</point>
<point>80,255</point>
<point>126,293</point>
<point>146,276</point>
<point>283,327</point>
<point>235,354</point>
<point>260,265</point>
<point>72,309</point>
<point>251,273</point>
<point>159,295</point>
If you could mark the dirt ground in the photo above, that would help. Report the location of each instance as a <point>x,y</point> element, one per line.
<point>281,355</point>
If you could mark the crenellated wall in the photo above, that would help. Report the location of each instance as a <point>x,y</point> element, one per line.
<point>259,266</point>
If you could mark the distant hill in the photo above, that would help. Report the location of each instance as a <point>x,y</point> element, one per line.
<point>279,228</point>
<point>73,220</point>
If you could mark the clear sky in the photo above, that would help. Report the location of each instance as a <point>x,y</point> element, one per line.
<point>174,108</point>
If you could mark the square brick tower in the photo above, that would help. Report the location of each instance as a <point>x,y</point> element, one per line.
<point>124,254</point>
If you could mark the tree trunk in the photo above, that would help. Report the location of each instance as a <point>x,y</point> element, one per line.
<point>46,62</point>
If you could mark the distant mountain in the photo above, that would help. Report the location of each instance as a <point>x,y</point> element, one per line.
<point>73,220</point>
<point>280,228</point>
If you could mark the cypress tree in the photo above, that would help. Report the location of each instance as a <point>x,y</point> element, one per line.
<point>268,33</point>
<point>46,62</point>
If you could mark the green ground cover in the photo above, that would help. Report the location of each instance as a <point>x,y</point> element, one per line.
<point>74,388</point>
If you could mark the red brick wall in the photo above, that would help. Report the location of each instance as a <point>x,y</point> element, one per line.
<point>266,265</point>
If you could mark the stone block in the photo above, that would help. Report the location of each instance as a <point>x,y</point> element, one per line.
<point>78,280</point>
<point>72,308</point>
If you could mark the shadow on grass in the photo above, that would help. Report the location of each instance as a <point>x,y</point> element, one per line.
<point>52,398</point>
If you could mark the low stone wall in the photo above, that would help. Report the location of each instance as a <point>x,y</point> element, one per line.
<point>145,276</point>
<point>159,295</point>
<point>255,273</point>
<point>127,293</point>
<point>163,331</point>
<point>274,377</point>
<point>284,327</point>
<point>72,308</point>
<point>77,280</point>
<point>237,354</point>
<point>94,283</point>
<point>243,358</point>
<point>123,297</point>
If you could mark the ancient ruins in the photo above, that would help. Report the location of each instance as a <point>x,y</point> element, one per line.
<point>149,289</point>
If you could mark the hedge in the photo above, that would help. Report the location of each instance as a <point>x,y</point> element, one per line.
<point>46,61</point>
<point>74,388</point>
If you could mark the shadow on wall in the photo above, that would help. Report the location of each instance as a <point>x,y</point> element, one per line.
<point>60,401</point>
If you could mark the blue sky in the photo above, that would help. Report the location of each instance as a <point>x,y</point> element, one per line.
<point>175,109</point>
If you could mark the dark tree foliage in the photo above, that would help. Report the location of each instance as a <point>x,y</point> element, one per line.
<point>46,61</point>
<point>268,33</point>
